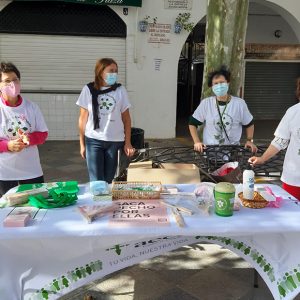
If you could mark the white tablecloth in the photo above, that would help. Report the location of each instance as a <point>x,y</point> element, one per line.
<point>60,251</point>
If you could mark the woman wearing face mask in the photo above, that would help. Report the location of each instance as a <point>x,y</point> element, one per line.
<point>104,122</point>
<point>22,129</point>
<point>223,116</point>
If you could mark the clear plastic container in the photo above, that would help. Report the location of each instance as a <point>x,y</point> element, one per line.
<point>99,187</point>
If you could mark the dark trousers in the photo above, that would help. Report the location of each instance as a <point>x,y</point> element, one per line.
<point>102,159</point>
<point>6,185</point>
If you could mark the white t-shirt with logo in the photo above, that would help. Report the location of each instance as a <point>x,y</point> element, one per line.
<point>234,115</point>
<point>289,129</point>
<point>111,107</point>
<point>26,163</point>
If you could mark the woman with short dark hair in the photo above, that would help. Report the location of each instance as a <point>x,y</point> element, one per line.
<point>22,128</point>
<point>223,116</point>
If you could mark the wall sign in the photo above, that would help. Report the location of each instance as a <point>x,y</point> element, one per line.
<point>272,51</point>
<point>264,51</point>
<point>179,4</point>
<point>159,33</point>
<point>102,2</point>
<point>157,63</point>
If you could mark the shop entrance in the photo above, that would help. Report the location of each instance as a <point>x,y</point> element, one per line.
<point>190,76</point>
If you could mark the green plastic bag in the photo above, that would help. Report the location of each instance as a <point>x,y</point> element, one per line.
<point>61,194</point>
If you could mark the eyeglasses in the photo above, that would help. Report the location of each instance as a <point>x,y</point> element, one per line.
<point>8,82</point>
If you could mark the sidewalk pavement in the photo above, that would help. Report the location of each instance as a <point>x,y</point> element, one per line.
<point>199,271</point>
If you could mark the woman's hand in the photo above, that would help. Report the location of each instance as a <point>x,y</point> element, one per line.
<point>16,145</point>
<point>129,150</point>
<point>251,145</point>
<point>254,160</point>
<point>82,151</point>
<point>199,147</point>
<point>269,153</point>
<point>24,137</point>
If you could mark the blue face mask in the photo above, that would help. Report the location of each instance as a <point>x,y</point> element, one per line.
<point>111,78</point>
<point>220,89</point>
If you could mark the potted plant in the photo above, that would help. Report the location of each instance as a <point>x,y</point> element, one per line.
<point>182,21</point>
<point>143,24</point>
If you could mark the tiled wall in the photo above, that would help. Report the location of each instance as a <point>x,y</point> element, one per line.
<point>60,112</point>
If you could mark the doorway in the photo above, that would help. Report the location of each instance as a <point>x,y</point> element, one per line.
<point>190,76</point>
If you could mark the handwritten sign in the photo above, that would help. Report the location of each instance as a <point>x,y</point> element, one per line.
<point>159,33</point>
<point>179,4</point>
<point>139,213</point>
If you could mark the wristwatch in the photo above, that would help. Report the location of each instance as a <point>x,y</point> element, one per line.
<point>250,140</point>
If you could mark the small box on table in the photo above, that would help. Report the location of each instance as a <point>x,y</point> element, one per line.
<point>170,173</point>
<point>18,220</point>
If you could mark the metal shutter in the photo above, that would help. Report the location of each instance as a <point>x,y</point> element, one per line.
<point>269,88</point>
<point>52,63</point>
<point>61,18</point>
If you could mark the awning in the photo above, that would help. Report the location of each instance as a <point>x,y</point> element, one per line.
<point>101,2</point>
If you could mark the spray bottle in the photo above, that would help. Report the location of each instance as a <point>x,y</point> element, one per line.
<point>248,183</point>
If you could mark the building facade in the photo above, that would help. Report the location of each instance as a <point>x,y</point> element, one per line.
<point>56,44</point>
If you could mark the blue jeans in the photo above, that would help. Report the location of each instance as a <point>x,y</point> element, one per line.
<point>102,159</point>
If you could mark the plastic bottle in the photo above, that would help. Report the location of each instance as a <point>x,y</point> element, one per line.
<point>248,183</point>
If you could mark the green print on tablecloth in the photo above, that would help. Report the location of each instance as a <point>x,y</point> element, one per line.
<point>78,273</point>
<point>289,282</point>
<point>246,250</point>
<point>66,281</point>
<point>117,248</point>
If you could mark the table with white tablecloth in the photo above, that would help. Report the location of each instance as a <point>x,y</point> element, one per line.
<point>60,252</point>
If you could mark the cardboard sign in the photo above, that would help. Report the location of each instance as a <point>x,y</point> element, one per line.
<point>136,213</point>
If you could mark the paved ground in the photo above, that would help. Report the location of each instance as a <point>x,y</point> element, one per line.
<point>201,271</point>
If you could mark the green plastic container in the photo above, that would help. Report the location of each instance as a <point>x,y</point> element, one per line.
<point>224,193</point>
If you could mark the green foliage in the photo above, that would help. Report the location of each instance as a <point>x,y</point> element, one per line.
<point>143,24</point>
<point>183,20</point>
<point>147,19</point>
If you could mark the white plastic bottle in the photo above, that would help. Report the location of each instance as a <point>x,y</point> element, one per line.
<point>248,184</point>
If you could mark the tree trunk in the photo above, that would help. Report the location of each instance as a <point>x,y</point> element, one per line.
<point>226,24</point>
